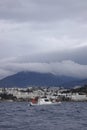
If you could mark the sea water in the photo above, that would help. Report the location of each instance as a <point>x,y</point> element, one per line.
<point>64,116</point>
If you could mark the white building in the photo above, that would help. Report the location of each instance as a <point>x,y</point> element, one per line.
<point>78,97</point>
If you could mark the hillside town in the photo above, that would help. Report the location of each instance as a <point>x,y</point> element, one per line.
<point>26,94</point>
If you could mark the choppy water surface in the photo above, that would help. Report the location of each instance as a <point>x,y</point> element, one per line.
<point>65,116</point>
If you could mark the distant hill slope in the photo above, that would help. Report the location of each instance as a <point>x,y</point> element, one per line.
<point>26,79</point>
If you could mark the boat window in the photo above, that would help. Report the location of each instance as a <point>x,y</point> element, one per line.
<point>46,100</point>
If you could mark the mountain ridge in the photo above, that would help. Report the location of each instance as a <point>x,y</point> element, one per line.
<point>26,79</point>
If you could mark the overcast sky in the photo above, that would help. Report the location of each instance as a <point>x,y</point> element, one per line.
<point>43,36</point>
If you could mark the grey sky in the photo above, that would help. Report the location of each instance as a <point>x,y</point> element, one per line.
<point>43,36</point>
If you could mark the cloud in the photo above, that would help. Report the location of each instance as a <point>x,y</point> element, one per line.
<point>47,10</point>
<point>67,68</point>
<point>43,35</point>
<point>25,38</point>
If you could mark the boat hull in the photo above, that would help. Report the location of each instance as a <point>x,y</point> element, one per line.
<point>40,104</point>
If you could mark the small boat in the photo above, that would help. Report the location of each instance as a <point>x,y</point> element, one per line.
<point>42,101</point>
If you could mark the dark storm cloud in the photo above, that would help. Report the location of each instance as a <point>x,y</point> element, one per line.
<point>78,55</point>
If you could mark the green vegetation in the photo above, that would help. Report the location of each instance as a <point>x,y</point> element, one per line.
<point>80,90</point>
<point>5,96</point>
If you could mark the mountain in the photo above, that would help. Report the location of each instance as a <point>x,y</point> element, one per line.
<point>26,79</point>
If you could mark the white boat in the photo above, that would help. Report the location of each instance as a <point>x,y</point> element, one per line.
<point>43,101</point>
